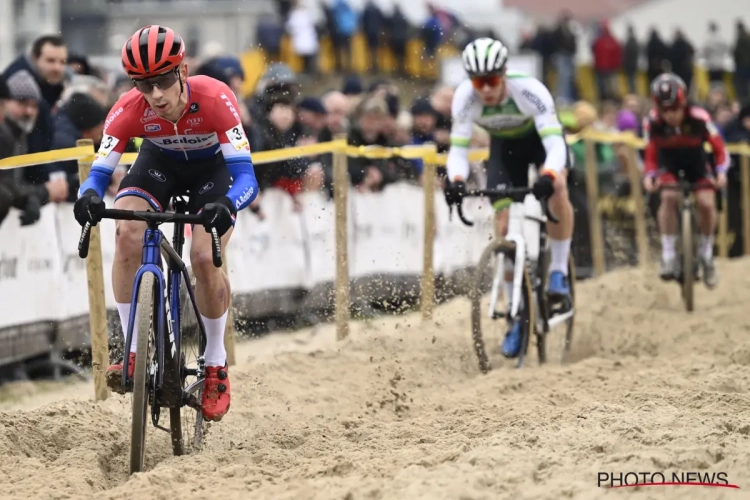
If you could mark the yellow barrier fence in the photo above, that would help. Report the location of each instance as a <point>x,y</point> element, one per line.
<point>84,154</point>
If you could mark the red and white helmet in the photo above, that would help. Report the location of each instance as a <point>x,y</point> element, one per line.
<point>151,51</point>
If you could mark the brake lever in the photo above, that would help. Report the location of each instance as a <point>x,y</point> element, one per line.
<point>216,249</point>
<point>460,211</point>
<point>83,242</point>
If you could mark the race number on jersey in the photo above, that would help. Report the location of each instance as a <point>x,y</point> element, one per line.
<point>107,145</point>
<point>237,138</point>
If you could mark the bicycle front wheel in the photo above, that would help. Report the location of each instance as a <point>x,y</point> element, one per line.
<point>483,322</point>
<point>140,377</point>
<point>688,260</point>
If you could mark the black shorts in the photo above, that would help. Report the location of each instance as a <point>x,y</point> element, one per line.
<point>508,164</point>
<point>696,172</point>
<point>157,178</point>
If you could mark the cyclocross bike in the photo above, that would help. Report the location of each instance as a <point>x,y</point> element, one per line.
<point>526,244</point>
<point>688,237</point>
<point>169,369</point>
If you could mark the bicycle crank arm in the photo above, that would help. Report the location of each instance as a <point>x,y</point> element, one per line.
<point>560,318</point>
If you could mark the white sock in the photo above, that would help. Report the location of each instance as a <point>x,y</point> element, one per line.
<point>215,354</point>
<point>706,246</point>
<point>560,251</point>
<point>668,242</point>
<point>124,310</point>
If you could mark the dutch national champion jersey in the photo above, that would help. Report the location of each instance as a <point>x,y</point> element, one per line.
<point>527,109</point>
<point>209,124</point>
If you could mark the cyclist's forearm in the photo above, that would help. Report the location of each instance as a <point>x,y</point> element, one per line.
<point>98,180</point>
<point>244,184</point>
<point>458,162</point>
<point>557,153</point>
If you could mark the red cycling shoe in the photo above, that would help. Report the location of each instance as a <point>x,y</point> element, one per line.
<point>216,393</point>
<point>114,375</point>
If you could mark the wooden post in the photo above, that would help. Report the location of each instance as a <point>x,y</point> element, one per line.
<point>340,191</point>
<point>97,306</point>
<point>745,176</point>
<point>636,194</point>
<point>722,241</point>
<point>428,272</point>
<point>595,220</point>
<point>229,334</point>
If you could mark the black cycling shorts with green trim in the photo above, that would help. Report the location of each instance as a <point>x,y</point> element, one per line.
<point>508,164</point>
<point>157,178</point>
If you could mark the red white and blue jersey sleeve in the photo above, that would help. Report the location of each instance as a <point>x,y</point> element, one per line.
<point>235,147</point>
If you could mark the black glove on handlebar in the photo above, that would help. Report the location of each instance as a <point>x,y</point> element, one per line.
<point>454,192</point>
<point>544,187</point>
<point>87,205</point>
<point>220,215</point>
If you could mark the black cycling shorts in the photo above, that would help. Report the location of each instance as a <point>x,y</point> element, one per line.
<point>157,178</point>
<point>508,164</point>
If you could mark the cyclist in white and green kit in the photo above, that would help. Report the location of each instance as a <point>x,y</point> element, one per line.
<point>519,113</point>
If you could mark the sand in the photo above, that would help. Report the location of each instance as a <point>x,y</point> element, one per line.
<point>399,410</point>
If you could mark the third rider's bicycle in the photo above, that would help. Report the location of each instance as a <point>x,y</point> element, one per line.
<point>526,245</point>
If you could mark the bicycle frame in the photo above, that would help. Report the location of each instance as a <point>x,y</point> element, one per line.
<point>167,305</point>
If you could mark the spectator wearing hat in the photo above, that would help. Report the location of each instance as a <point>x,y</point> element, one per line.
<point>46,65</point>
<point>311,113</point>
<point>18,106</point>
<point>81,117</point>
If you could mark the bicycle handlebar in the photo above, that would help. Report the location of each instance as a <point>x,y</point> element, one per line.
<point>152,218</point>
<point>502,193</point>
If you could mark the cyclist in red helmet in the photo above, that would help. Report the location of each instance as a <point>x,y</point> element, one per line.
<point>193,141</point>
<point>675,132</point>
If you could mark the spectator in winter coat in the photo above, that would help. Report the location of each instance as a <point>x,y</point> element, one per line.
<point>423,129</point>
<point>607,62</point>
<point>742,62</point>
<point>301,27</point>
<point>566,46</point>
<point>681,57</point>
<point>399,36</point>
<point>372,25</point>
<point>46,64</point>
<point>345,21</point>
<point>19,100</point>
<point>631,55</point>
<point>81,117</point>
<point>657,54</point>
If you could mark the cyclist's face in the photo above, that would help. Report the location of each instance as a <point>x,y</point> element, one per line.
<point>164,93</point>
<point>673,117</point>
<point>491,89</point>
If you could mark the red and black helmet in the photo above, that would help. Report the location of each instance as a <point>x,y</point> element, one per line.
<point>151,51</point>
<point>668,91</point>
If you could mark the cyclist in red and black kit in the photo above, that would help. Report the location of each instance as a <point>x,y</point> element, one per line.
<point>193,141</point>
<point>675,132</point>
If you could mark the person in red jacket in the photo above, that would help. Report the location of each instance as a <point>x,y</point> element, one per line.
<point>607,62</point>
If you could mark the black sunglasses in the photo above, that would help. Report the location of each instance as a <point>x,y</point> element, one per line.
<point>164,81</point>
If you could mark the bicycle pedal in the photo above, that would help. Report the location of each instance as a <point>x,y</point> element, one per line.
<point>498,315</point>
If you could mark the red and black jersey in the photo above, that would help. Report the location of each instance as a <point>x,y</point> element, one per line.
<point>683,145</point>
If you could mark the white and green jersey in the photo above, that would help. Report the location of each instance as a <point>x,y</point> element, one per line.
<point>528,109</point>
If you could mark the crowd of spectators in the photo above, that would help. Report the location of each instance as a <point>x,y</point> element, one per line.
<point>49,99</point>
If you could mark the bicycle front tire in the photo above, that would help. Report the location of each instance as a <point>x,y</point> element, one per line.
<point>688,260</point>
<point>140,377</point>
<point>476,294</point>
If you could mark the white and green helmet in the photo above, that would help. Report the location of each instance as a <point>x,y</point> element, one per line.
<point>485,56</point>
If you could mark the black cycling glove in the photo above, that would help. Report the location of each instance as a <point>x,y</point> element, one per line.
<point>220,214</point>
<point>455,192</point>
<point>544,187</point>
<point>84,206</point>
